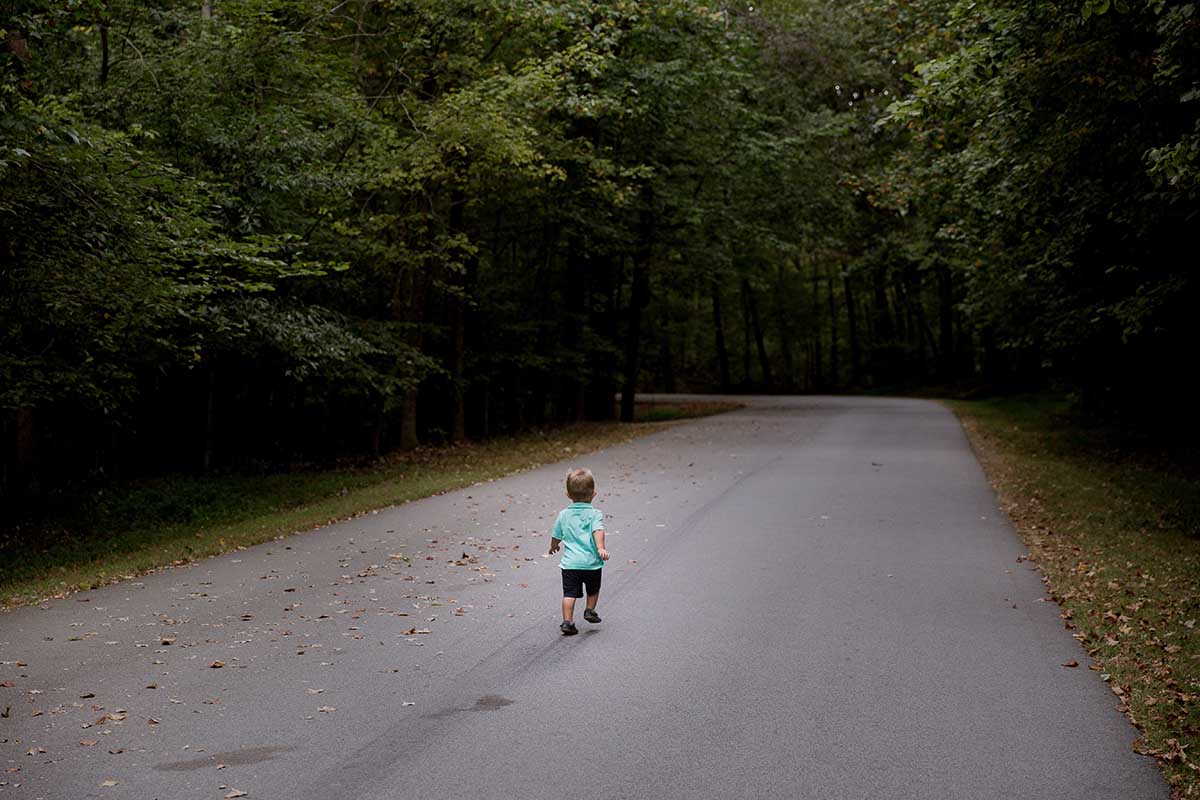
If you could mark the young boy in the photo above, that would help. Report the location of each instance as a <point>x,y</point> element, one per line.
<point>580,530</point>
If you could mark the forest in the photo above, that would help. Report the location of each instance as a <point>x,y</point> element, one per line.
<point>248,233</point>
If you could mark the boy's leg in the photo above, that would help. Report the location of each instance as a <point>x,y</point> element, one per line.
<point>593,596</point>
<point>569,608</point>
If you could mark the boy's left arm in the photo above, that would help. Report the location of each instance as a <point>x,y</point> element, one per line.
<point>598,536</point>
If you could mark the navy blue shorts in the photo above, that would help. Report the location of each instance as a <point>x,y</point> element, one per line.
<point>575,579</point>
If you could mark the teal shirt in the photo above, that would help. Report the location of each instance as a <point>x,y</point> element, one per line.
<point>574,528</point>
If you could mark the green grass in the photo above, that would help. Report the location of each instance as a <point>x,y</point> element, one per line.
<point>1114,525</point>
<point>131,529</point>
<point>667,411</point>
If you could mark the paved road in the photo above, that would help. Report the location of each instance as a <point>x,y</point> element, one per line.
<point>809,598</point>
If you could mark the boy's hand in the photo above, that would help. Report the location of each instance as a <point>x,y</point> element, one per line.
<point>553,548</point>
<point>603,554</point>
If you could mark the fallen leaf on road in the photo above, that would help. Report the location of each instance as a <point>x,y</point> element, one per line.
<point>1071,663</point>
<point>314,691</point>
<point>235,793</point>
<point>116,751</point>
<point>89,742</point>
<point>151,685</point>
<point>167,640</point>
<point>415,631</point>
<point>87,696</point>
<point>109,783</point>
<point>152,721</point>
<point>217,664</point>
<point>327,709</point>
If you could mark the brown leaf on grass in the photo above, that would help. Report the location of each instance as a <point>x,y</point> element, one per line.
<point>1071,663</point>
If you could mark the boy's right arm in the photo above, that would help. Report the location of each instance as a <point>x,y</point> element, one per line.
<point>554,543</point>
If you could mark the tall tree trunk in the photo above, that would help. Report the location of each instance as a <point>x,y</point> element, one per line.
<point>852,325</point>
<point>763,362</point>
<point>206,9</point>
<point>639,297</point>
<point>210,420</point>
<point>881,318</point>
<point>640,293</point>
<point>946,322</point>
<point>818,367</point>
<point>834,370</point>
<point>782,322</point>
<point>457,283</point>
<point>719,332</point>
<point>747,374</point>
<point>104,53</point>
<point>25,455</point>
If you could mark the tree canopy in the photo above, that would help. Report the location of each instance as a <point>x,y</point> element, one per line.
<point>275,230</point>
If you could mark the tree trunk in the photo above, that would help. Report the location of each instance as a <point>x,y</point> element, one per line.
<point>457,283</point>
<point>25,454</point>
<point>747,375</point>
<point>639,297</point>
<point>834,370</point>
<point>782,322</point>
<point>210,420</point>
<point>763,362</point>
<point>206,9</point>
<point>945,322</point>
<point>818,367</point>
<point>103,53</point>
<point>719,331</point>
<point>637,301</point>
<point>852,324</point>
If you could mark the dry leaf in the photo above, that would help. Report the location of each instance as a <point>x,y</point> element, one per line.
<point>217,664</point>
<point>1071,663</point>
<point>327,709</point>
<point>109,783</point>
<point>235,793</point>
<point>152,721</point>
<point>89,742</point>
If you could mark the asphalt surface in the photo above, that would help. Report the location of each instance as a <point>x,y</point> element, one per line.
<point>809,598</point>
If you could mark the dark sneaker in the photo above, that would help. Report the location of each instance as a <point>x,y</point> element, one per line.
<point>591,616</point>
<point>568,628</point>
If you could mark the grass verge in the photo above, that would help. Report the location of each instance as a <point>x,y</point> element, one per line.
<point>1115,531</point>
<point>132,529</point>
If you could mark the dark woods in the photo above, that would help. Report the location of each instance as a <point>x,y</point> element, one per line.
<point>260,232</point>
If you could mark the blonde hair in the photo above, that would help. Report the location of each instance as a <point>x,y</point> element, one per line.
<point>581,485</point>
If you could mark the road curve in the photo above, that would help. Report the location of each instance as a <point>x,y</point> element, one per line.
<point>809,598</point>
